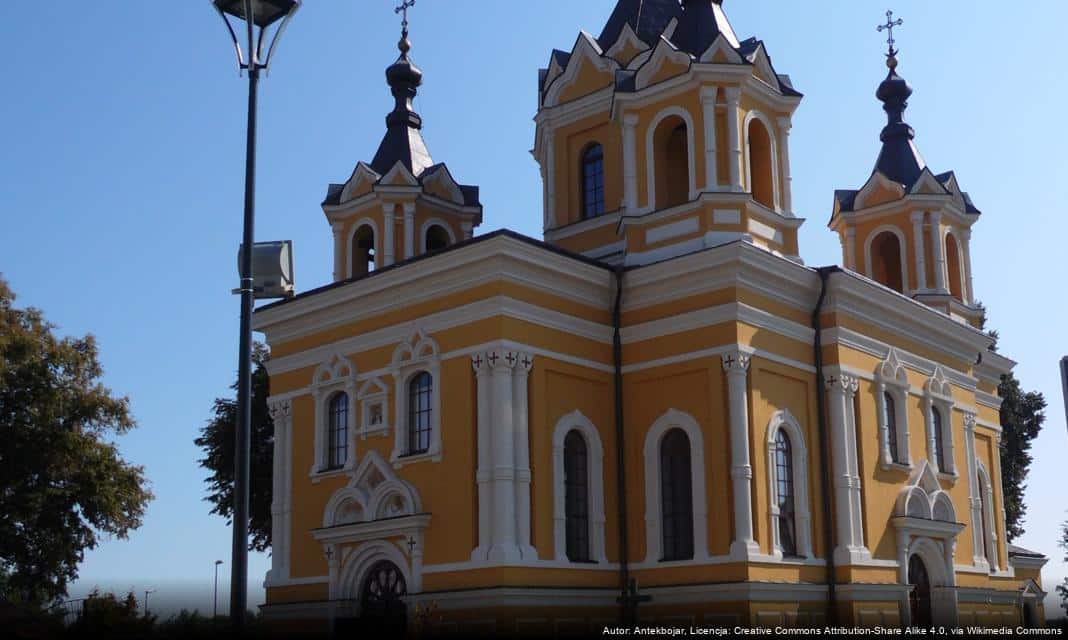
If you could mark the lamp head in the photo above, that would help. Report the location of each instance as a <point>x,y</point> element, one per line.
<point>264,12</point>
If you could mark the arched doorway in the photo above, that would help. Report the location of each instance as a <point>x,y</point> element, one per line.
<point>382,607</point>
<point>920,594</point>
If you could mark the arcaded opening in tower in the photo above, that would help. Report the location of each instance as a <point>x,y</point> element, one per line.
<point>954,272</point>
<point>886,261</point>
<point>671,163</point>
<point>761,175</point>
<point>363,251</point>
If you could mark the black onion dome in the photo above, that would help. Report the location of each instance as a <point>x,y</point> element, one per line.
<point>403,141</point>
<point>404,71</point>
<point>899,158</point>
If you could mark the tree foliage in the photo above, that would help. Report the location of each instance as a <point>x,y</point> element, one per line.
<point>61,482</point>
<point>1021,420</point>
<point>217,441</point>
<point>105,615</point>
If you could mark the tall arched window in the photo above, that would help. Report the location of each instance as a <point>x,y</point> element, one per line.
<point>761,170</point>
<point>890,419</point>
<point>886,261</point>
<point>437,238</point>
<point>671,159</point>
<point>576,497</point>
<point>419,390</point>
<point>592,181</point>
<point>676,497</point>
<point>953,267</point>
<point>938,451</point>
<point>338,436</point>
<point>363,251</point>
<point>784,489</point>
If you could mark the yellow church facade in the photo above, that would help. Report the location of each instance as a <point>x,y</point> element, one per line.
<point>658,413</point>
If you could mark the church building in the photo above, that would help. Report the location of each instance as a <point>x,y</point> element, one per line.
<point>658,412</point>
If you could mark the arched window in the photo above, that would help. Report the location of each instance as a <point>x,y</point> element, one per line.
<point>784,489</point>
<point>886,261</point>
<point>338,436</point>
<point>890,418</point>
<point>938,452</point>
<point>592,181</point>
<point>761,169</point>
<point>676,497</point>
<point>382,596</point>
<point>576,497</point>
<point>671,162</point>
<point>437,238</point>
<point>953,267</point>
<point>920,595</point>
<point>419,413</point>
<point>363,251</point>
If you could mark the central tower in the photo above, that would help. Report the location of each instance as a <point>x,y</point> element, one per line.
<point>665,135</point>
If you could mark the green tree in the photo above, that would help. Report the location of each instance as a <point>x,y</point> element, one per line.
<point>217,441</point>
<point>106,615</point>
<point>61,482</point>
<point>1021,420</point>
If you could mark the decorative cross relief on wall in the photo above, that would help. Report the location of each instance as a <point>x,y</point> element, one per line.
<point>503,474</point>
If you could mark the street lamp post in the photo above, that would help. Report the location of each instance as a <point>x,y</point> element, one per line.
<point>147,591</point>
<point>215,595</point>
<point>258,16</point>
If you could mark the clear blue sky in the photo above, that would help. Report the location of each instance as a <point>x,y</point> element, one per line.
<point>122,126</point>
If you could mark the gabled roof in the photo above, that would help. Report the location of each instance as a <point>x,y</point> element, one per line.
<point>469,193</point>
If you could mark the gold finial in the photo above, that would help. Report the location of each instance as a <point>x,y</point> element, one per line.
<point>404,45</point>
<point>891,56</point>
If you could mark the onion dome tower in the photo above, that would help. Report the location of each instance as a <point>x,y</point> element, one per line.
<point>402,204</point>
<point>907,227</point>
<point>665,135</point>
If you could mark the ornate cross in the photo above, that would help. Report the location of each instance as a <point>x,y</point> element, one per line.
<point>510,358</point>
<point>889,28</point>
<point>403,8</point>
<point>526,361</point>
<point>493,358</point>
<point>411,545</point>
<point>478,361</point>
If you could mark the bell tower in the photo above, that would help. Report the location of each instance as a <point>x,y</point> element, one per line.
<point>402,204</point>
<point>665,135</point>
<point>908,228</point>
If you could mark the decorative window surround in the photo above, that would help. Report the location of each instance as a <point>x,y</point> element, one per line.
<point>281,412</point>
<point>503,473</point>
<point>675,419</point>
<point>417,354</point>
<point>987,529</point>
<point>337,374</point>
<point>774,152</point>
<point>975,503</point>
<point>891,378</point>
<point>374,408</point>
<point>736,366</point>
<point>650,154</point>
<point>785,421</point>
<point>576,421</point>
<point>938,394</point>
<point>849,517</point>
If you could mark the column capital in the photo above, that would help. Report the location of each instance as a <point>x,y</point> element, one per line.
<point>733,94</point>
<point>844,384</point>
<point>736,362</point>
<point>336,226</point>
<point>280,409</point>
<point>936,217</point>
<point>524,362</point>
<point>630,119</point>
<point>499,360</point>
<point>965,233</point>
<point>916,217</point>
<point>708,94</point>
<point>388,208</point>
<point>969,422</point>
<point>409,209</point>
<point>785,123</point>
<point>480,363</point>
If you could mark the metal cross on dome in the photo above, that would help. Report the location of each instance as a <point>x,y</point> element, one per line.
<point>889,28</point>
<point>403,9</point>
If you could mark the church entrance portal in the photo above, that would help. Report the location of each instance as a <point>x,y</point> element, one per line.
<point>920,596</point>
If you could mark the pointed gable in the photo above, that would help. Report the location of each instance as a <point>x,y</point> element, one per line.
<point>588,71</point>
<point>665,63</point>
<point>627,46</point>
<point>721,52</point>
<point>878,190</point>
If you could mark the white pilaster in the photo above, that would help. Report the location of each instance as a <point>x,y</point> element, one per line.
<point>994,481</point>
<point>734,96</point>
<point>975,501</point>
<point>409,229</point>
<point>708,107</point>
<point>339,250</point>
<point>550,184</point>
<point>281,412</point>
<point>505,546</point>
<point>520,378</point>
<point>388,227</point>
<point>841,391</point>
<point>466,227</point>
<point>736,367</point>
<point>784,159</point>
<point>630,162</point>
<point>851,248</point>
<point>938,252</point>
<point>966,249</point>
<point>918,248</point>
<point>483,475</point>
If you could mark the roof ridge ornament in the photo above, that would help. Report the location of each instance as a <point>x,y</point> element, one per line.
<point>404,45</point>
<point>891,56</point>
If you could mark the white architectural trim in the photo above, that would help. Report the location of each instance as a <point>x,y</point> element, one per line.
<point>784,421</point>
<point>348,582</point>
<point>576,421</point>
<point>650,153</point>
<point>733,95</point>
<point>708,116</point>
<point>674,419</point>
<point>281,411</point>
<point>902,251</point>
<point>773,140</point>
<point>849,504</point>
<point>938,252</point>
<point>337,374</point>
<point>347,252</point>
<point>417,354</point>
<point>891,378</point>
<point>736,367</point>
<point>938,395</point>
<point>586,49</point>
<point>423,228</point>
<point>988,528</point>
<point>918,249</point>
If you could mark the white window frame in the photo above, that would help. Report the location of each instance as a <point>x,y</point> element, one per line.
<point>989,532</point>
<point>891,378</point>
<point>785,421</point>
<point>938,394</point>
<point>576,421</point>
<point>674,419</point>
<point>336,374</point>
<point>416,355</point>
<point>373,392</point>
